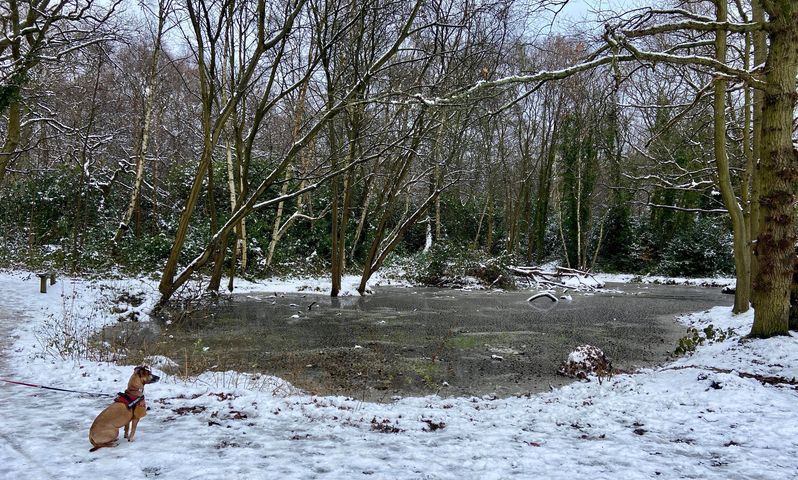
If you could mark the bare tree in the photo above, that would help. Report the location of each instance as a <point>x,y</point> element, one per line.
<point>254,202</point>
<point>35,32</point>
<point>143,134</point>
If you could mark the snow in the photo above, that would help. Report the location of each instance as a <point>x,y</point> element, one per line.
<point>702,416</point>
<point>349,284</point>
<point>577,356</point>
<point>660,279</point>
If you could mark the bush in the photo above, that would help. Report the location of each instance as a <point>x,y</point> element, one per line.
<point>702,249</point>
<point>695,338</point>
<point>451,265</point>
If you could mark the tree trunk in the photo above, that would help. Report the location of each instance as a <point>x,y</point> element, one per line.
<point>380,245</point>
<point>363,214</point>
<point>541,214</point>
<point>11,93</point>
<point>11,143</point>
<point>278,220</point>
<point>221,248</point>
<point>377,256</point>
<point>335,220</point>
<point>144,131</point>
<point>760,57</point>
<point>742,257</point>
<point>779,175</point>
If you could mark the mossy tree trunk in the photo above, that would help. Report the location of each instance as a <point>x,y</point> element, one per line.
<point>775,244</point>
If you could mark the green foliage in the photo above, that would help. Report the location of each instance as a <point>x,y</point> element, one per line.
<point>616,253</point>
<point>54,222</point>
<point>461,218</point>
<point>10,91</point>
<point>674,151</point>
<point>696,337</point>
<point>144,253</point>
<point>702,248</point>
<point>449,264</point>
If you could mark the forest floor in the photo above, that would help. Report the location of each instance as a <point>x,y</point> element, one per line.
<point>724,411</point>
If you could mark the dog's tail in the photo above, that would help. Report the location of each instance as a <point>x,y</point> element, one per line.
<point>95,449</point>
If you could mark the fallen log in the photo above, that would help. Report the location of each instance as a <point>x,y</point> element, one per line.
<point>554,279</point>
<point>543,295</point>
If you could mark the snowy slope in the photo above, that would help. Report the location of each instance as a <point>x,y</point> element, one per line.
<point>704,416</point>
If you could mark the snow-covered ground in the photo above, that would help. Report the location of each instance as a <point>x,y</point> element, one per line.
<point>659,279</point>
<point>707,415</point>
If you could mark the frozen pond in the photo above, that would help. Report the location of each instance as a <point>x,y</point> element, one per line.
<point>422,341</point>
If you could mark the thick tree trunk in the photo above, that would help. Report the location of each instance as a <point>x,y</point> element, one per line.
<point>760,57</point>
<point>221,248</point>
<point>779,175</point>
<point>167,285</point>
<point>12,93</point>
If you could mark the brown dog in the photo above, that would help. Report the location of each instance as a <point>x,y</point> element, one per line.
<point>126,411</point>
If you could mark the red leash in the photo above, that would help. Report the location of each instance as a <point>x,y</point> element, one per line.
<point>55,388</point>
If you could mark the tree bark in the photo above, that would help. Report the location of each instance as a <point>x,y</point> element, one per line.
<point>779,174</point>
<point>760,48</point>
<point>9,151</point>
<point>742,256</point>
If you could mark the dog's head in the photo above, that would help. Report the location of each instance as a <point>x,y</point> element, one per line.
<point>145,375</point>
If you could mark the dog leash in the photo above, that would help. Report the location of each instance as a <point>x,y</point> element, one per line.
<point>94,394</point>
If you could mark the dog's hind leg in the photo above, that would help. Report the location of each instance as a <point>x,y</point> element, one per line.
<point>98,446</point>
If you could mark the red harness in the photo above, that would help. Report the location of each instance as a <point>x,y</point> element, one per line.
<point>129,400</point>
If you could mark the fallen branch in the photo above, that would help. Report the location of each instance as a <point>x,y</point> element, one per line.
<point>496,281</point>
<point>542,295</point>
<point>548,279</point>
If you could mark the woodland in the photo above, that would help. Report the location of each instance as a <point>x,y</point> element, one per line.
<point>228,138</point>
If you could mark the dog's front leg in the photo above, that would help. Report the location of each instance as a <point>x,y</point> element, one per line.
<point>133,423</point>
